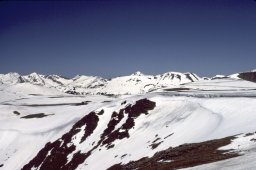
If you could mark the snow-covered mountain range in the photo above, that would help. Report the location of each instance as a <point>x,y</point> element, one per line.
<point>181,122</point>
<point>133,84</point>
<point>136,83</point>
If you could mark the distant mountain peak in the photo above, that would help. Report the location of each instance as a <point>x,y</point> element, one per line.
<point>34,74</point>
<point>137,73</point>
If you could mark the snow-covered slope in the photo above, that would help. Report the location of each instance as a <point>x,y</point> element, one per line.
<point>47,81</point>
<point>170,128</point>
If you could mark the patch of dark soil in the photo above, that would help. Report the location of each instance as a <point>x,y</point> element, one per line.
<point>183,156</point>
<point>100,112</point>
<point>253,140</point>
<point>249,134</point>
<point>168,135</point>
<point>54,155</point>
<point>82,103</point>
<point>124,155</point>
<point>57,104</point>
<point>21,98</point>
<point>16,112</point>
<point>156,140</point>
<point>249,76</point>
<point>177,89</point>
<point>56,97</point>
<point>1,165</point>
<point>106,101</point>
<point>7,104</point>
<point>35,94</point>
<point>37,115</point>
<point>124,102</point>
<point>110,146</point>
<point>155,145</point>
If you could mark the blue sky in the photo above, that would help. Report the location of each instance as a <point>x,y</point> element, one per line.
<point>116,37</point>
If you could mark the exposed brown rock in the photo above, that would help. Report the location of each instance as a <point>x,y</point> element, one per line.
<point>249,76</point>
<point>54,155</point>
<point>133,111</point>
<point>183,156</point>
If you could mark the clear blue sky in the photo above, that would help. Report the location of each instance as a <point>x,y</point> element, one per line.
<point>117,37</point>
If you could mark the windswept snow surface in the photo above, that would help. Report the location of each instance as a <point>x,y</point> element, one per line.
<point>200,111</point>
